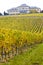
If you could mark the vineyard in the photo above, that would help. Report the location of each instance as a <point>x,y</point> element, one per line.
<point>19,32</point>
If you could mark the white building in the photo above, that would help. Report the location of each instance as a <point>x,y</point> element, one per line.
<point>13,11</point>
<point>22,9</point>
<point>35,8</point>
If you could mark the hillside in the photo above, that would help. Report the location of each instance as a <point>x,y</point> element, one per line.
<point>21,39</point>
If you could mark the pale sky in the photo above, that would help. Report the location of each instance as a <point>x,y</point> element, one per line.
<point>7,4</point>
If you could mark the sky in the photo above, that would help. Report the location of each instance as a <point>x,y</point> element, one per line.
<point>7,4</point>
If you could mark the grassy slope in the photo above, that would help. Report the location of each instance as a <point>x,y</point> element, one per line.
<point>34,55</point>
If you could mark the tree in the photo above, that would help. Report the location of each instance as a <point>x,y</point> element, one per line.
<point>33,11</point>
<point>0,14</point>
<point>42,11</point>
<point>5,13</point>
